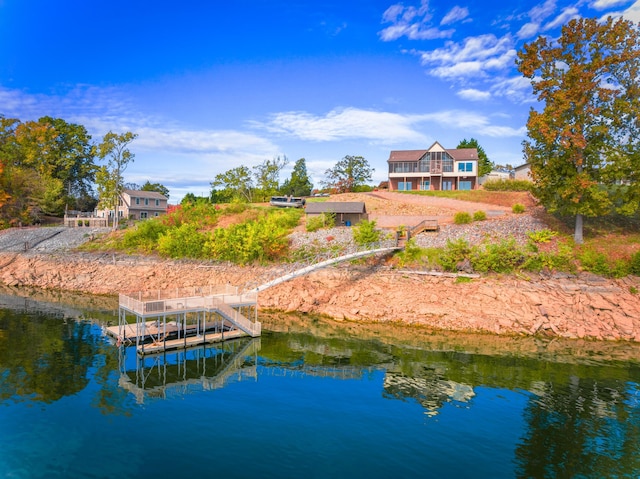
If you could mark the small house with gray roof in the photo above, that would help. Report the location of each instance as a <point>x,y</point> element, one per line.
<point>347,213</point>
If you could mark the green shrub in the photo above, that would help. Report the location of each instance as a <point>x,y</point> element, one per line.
<point>144,237</point>
<point>594,262</point>
<point>634,264</point>
<point>365,233</point>
<point>502,257</point>
<point>507,185</point>
<point>462,218</point>
<point>411,254</point>
<point>479,216</point>
<point>541,236</point>
<point>454,253</point>
<point>325,220</point>
<point>182,242</point>
<point>518,208</point>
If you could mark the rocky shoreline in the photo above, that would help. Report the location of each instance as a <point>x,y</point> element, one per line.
<point>569,306</point>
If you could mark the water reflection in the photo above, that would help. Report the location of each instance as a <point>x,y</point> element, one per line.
<point>575,417</point>
<point>174,374</point>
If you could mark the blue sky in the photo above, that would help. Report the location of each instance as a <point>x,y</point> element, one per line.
<point>211,85</point>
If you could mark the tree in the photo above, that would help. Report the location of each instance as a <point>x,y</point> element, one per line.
<point>299,184</point>
<point>61,154</point>
<point>109,179</point>
<point>267,176</point>
<point>586,139</point>
<point>157,187</point>
<point>237,182</point>
<point>485,166</point>
<point>348,174</point>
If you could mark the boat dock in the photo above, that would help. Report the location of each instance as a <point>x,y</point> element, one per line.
<point>178,319</point>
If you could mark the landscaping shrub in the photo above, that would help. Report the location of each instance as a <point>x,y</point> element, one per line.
<point>541,236</point>
<point>411,254</point>
<point>518,208</point>
<point>144,237</point>
<point>634,264</point>
<point>507,185</point>
<point>182,242</point>
<point>479,216</point>
<point>325,220</point>
<point>462,218</point>
<point>366,233</point>
<point>454,253</point>
<point>502,257</point>
<point>594,262</point>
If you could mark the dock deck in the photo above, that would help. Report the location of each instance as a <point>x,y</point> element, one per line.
<point>176,319</point>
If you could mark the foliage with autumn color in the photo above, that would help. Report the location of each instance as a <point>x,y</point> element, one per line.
<point>584,145</point>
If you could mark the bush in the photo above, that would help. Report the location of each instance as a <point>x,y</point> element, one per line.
<point>462,218</point>
<point>595,262</point>
<point>502,257</point>
<point>144,238</point>
<point>479,216</point>
<point>518,208</point>
<point>325,220</point>
<point>634,264</point>
<point>507,185</point>
<point>541,236</point>
<point>365,233</point>
<point>412,253</point>
<point>182,242</point>
<point>454,253</point>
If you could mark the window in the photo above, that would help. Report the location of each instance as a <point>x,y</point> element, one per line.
<point>156,214</point>
<point>465,166</point>
<point>464,185</point>
<point>404,186</point>
<point>447,185</point>
<point>426,185</point>
<point>144,215</point>
<point>146,201</point>
<point>157,202</point>
<point>137,201</point>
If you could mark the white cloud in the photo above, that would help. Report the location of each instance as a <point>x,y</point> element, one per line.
<point>345,123</point>
<point>473,122</point>
<point>633,12</point>
<point>411,22</point>
<point>528,30</point>
<point>455,15</point>
<point>472,94</point>
<point>604,4</point>
<point>565,16</point>
<point>475,56</point>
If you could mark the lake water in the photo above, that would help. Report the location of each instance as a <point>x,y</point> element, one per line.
<point>311,400</point>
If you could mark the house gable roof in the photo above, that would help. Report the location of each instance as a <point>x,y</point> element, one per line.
<point>145,194</point>
<point>407,155</point>
<point>338,207</point>
<point>463,154</point>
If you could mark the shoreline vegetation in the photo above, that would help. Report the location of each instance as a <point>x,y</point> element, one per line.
<point>383,290</point>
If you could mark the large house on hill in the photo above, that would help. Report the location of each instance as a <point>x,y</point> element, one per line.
<point>437,168</point>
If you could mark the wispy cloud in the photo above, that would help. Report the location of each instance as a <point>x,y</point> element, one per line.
<point>344,123</point>
<point>475,56</point>
<point>379,127</point>
<point>565,16</point>
<point>604,4</point>
<point>411,22</point>
<point>456,14</point>
<point>472,94</point>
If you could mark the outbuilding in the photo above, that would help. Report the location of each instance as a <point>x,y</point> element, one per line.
<point>347,213</point>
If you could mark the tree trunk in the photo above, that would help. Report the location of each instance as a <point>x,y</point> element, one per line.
<point>577,233</point>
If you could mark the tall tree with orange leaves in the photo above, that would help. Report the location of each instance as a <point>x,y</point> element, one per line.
<point>584,144</point>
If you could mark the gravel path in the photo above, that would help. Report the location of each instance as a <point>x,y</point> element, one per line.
<point>45,239</point>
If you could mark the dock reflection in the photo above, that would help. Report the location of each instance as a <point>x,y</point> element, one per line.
<point>202,368</point>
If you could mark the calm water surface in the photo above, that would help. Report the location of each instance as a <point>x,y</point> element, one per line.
<point>295,404</point>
